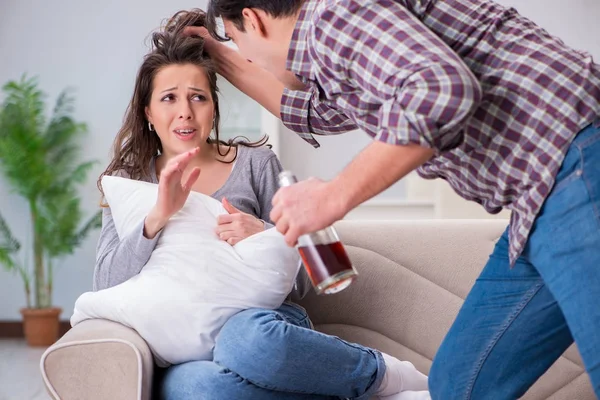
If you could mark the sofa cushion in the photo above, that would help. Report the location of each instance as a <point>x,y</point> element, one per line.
<point>413,278</point>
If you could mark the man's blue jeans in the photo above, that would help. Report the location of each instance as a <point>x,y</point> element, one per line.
<point>516,322</point>
<point>273,354</point>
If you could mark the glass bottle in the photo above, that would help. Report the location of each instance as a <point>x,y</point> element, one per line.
<point>323,254</point>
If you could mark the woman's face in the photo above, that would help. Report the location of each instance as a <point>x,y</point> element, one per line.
<point>181,108</point>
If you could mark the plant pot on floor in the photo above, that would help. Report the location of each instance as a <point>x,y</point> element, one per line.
<point>39,154</point>
<point>41,325</point>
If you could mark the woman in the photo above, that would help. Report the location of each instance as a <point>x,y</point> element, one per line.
<point>166,139</point>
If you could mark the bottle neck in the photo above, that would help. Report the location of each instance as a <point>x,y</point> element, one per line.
<point>286,178</point>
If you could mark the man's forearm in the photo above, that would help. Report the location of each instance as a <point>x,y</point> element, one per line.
<point>375,169</point>
<point>256,82</point>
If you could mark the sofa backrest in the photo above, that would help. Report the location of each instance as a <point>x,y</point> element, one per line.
<point>413,278</point>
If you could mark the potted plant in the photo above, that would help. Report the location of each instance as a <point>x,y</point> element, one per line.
<point>38,156</point>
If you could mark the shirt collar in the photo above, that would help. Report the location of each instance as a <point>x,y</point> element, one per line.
<point>298,60</point>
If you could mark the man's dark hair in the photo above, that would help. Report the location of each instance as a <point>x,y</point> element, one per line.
<point>231,10</point>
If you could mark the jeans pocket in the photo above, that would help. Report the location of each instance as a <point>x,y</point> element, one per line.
<point>563,183</point>
<point>574,203</point>
<point>590,154</point>
<point>570,170</point>
<point>591,139</point>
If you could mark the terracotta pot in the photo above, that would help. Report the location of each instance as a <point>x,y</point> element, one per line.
<point>40,325</point>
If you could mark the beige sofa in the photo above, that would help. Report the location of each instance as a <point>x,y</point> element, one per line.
<point>414,276</point>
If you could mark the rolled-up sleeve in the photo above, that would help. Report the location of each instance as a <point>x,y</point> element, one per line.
<point>420,90</point>
<point>302,112</point>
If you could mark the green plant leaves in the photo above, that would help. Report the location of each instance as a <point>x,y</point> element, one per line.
<point>39,156</point>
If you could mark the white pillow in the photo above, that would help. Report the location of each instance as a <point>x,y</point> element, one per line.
<point>193,281</point>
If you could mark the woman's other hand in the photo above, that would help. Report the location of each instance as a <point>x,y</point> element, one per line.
<point>237,225</point>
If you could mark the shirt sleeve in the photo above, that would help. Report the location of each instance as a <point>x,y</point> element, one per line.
<point>423,91</point>
<point>304,113</point>
<point>117,260</point>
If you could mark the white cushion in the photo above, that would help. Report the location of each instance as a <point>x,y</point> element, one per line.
<point>193,281</point>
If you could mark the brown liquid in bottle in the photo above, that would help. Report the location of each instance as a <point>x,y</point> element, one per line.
<point>323,261</point>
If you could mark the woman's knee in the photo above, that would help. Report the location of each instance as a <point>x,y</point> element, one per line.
<point>250,339</point>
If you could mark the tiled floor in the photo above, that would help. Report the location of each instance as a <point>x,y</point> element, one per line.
<point>20,377</point>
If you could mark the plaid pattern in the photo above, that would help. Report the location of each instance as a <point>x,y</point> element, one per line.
<point>497,97</point>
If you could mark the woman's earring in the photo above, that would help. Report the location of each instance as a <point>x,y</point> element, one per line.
<point>150,127</point>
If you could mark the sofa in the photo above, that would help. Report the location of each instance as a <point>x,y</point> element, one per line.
<point>413,277</point>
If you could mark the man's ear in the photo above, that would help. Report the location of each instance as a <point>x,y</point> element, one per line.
<point>255,20</point>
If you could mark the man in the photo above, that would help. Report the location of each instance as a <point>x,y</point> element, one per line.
<point>468,91</point>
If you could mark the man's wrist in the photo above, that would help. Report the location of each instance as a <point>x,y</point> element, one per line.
<point>340,195</point>
<point>256,82</point>
<point>229,62</point>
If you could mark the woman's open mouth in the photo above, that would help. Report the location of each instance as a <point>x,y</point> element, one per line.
<point>185,133</point>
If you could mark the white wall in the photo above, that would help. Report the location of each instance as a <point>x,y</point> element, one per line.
<point>329,159</point>
<point>96,48</point>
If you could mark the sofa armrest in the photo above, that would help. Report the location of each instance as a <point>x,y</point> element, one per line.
<point>98,359</point>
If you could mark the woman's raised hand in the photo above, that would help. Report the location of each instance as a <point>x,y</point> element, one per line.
<point>173,191</point>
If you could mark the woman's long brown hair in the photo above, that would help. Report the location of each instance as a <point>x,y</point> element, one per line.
<point>135,145</point>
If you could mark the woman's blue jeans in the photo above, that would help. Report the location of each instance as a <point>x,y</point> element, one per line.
<point>516,322</point>
<point>275,355</point>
